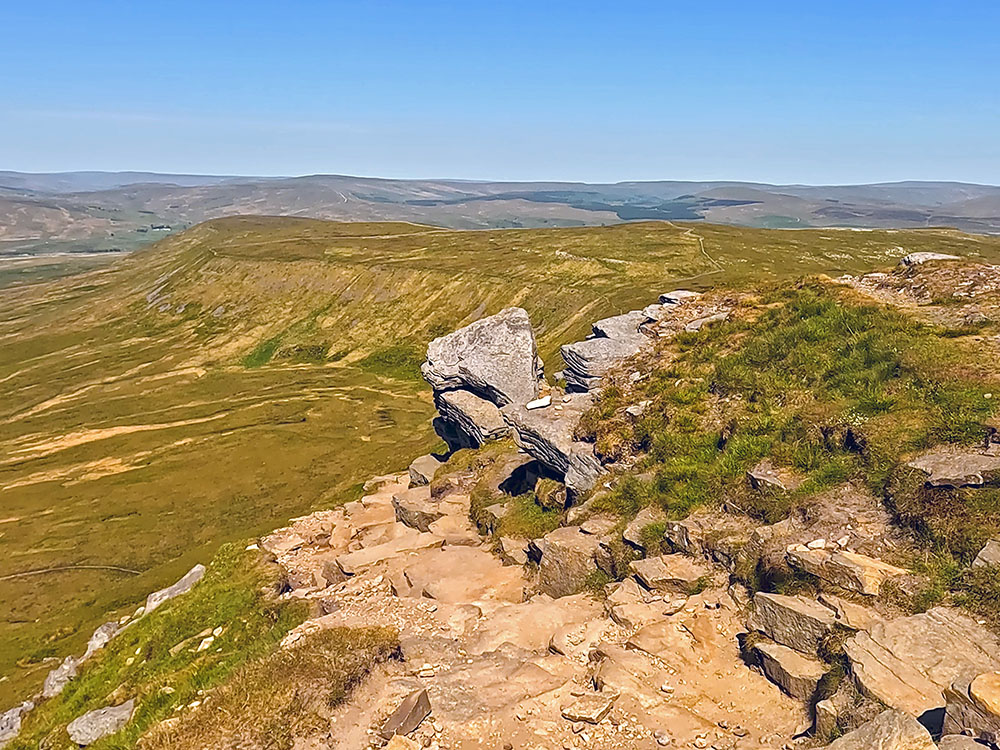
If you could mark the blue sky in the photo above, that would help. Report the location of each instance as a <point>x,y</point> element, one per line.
<point>598,91</point>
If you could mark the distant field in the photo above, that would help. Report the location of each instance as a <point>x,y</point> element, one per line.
<point>252,369</point>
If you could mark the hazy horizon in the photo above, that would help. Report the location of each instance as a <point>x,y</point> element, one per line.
<point>575,92</point>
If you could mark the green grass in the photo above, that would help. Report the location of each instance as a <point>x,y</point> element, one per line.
<point>262,353</point>
<point>825,383</point>
<point>237,594</point>
<point>400,361</point>
<point>526,519</point>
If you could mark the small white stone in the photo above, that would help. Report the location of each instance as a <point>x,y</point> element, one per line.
<point>816,544</point>
<point>538,403</point>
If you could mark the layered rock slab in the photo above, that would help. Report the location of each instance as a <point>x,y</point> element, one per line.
<point>909,662</point>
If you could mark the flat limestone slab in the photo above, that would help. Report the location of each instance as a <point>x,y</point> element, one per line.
<point>355,562</point>
<point>907,663</point>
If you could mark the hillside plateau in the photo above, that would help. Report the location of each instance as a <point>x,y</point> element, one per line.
<point>250,370</point>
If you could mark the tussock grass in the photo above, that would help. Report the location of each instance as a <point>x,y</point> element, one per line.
<point>286,695</point>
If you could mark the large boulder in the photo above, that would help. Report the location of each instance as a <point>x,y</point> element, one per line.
<point>909,662</point>
<point>890,730</point>
<point>676,574</point>
<point>468,420</point>
<point>848,570</point>
<point>99,723</point>
<point>989,555</point>
<point>57,679</point>
<point>495,357</point>
<point>547,435</point>
<point>588,361</point>
<point>950,467</point>
<point>916,259</point>
<point>423,468</point>
<point>625,326</point>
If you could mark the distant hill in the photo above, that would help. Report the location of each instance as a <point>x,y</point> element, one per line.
<point>74,211</point>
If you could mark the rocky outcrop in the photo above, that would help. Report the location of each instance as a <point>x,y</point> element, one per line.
<point>955,467</point>
<point>568,558</point>
<point>989,555</point>
<point>547,435</point>
<point>57,679</point>
<point>422,469</point>
<point>915,259</point>
<point>674,574</point>
<point>495,358</point>
<point>185,584</point>
<point>588,361</point>
<point>909,662</point>
<point>412,710</point>
<point>99,723</point>
<point>623,326</point>
<point>650,516</point>
<point>766,476</point>
<point>468,420</point>
<point>890,730</point>
<point>678,296</point>
<point>848,570</point>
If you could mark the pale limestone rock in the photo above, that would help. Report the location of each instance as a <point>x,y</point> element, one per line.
<point>468,419</point>
<point>590,708</point>
<point>494,357</point>
<point>973,706</point>
<point>989,555</point>
<point>359,560</point>
<point>890,730</point>
<point>915,259</point>
<point>423,469</point>
<point>99,723</point>
<point>651,514</point>
<point>408,715</point>
<point>951,467</point>
<point>184,585</point>
<point>678,296</point>
<point>568,559</point>
<point>849,570</point>
<point>909,662</point>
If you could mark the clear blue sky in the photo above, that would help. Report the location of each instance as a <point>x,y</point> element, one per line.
<point>818,92</point>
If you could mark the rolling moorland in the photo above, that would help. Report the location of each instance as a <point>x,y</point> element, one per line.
<point>248,370</point>
<point>52,224</point>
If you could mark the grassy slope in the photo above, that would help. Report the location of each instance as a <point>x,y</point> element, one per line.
<point>269,365</point>
<point>785,379</point>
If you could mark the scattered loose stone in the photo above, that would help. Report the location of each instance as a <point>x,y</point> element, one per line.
<point>590,708</point>
<point>408,715</point>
